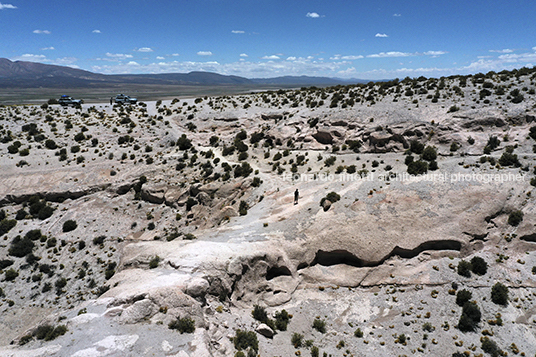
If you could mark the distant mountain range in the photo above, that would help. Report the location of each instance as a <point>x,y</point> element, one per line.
<point>21,74</point>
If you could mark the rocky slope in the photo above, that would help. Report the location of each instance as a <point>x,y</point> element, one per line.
<point>122,224</point>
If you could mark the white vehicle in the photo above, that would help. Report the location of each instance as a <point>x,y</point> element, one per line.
<point>125,99</point>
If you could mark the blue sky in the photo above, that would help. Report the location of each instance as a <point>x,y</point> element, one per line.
<point>253,38</point>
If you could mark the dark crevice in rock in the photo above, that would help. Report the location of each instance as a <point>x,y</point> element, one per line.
<point>529,237</point>
<point>475,236</point>
<point>489,218</point>
<point>342,256</point>
<point>276,271</point>
<point>52,196</point>
<point>336,257</point>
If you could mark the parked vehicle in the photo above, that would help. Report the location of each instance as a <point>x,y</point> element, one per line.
<point>125,99</point>
<point>66,100</point>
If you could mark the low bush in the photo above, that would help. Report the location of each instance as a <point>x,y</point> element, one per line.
<point>243,208</point>
<point>319,325</point>
<point>515,218</point>
<point>99,240</point>
<point>183,325</point>
<point>490,347</point>
<point>69,226</point>
<point>20,247</point>
<point>6,225</point>
<point>49,333</point>
<point>154,262</point>
<point>479,266</point>
<point>470,318</point>
<point>4,263</point>
<point>464,268</point>
<point>296,340</point>
<point>463,296</point>
<point>259,313</point>
<point>245,339</point>
<point>282,319</point>
<point>499,294</point>
<point>10,274</point>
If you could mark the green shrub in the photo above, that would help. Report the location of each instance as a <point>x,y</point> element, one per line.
<point>4,263</point>
<point>490,347</point>
<point>499,294</point>
<point>315,351</point>
<point>34,234</point>
<point>463,296</point>
<point>245,339</point>
<point>358,333</point>
<point>189,236</point>
<point>464,268</point>
<point>243,170</point>
<point>6,225</point>
<point>183,325</point>
<point>331,197</point>
<point>10,274</point>
<point>427,326</point>
<point>51,144</point>
<point>154,262</point>
<point>69,226</point>
<point>259,313</point>
<point>330,161</point>
<point>243,208</point>
<point>296,340</point>
<point>20,247</point>
<point>509,159</point>
<point>60,284</point>
<point>416,147</point>
<point>417,167</point>
<point>184,143</point>
<point>479,266</point>
<point>515,218</point>
<point>429,153</point>
<point>319,325</point>
<point>99,240</point>
<point>49,333</point>
<point>282,319</point>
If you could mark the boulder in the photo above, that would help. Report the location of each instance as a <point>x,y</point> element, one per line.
<point>323,137</point>
<point>197,287</point>
<point>265,330</point>
<point>153,194</point>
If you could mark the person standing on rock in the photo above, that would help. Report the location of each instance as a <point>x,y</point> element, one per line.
<point>296,196</point>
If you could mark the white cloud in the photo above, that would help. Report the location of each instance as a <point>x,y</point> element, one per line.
<point>48,48</point>
<point>242,68</point>
<point>133,63</point>
<point>237,31</point>
<point>243,55</point>
<point>160,58</point>
<point>391,54</point>
<point>272,57</point>
<point>7,6</point>
<point>506,50</point>
<point>346,58</point>
<point>291,58</point>
<point>204,53</point>
<point>96,31</point>
<point>348,71</point>
<point>31,58</point>
<point>434,53</point>
<point>145,49</point>
<point>42,32</point>
<point>313,15</point>
<point>397,15</point>
<point>381,35</point>
<point>118,56</point>
<point>175,55</point>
